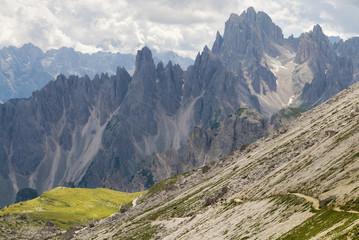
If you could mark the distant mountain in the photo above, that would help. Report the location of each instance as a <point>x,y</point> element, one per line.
<point>334,39</point>
<point>165,57</point>
<point>21,72</point>
<point>26,69</point>
<point>126,132</point>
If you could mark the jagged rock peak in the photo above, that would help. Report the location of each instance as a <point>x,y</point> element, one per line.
<point>217,43</point>
<point>206,54</point>
<point>257,19</point>
<point>169,64</point>
<point>218,35</point>
<point>144,54</point>
<point>317,29</point>
<point>318,34</point>
<point>206,49</point>
<point>246,39</point>
<point>251,14</point>
<point>145,67</point>
<point>160,66</point>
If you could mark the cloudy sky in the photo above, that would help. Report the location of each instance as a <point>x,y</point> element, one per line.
<point>184,26</point>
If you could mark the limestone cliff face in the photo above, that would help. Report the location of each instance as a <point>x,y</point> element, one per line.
<point>205,145</point>
<point>300,72</point>
<point>331,73</point>
<point>126,132</point>
<point>179,112</point>
<point>350,48</point>
<point>103,132</point>
<point>247,38</point>
<point>209,77</point>
<point>51,138</point>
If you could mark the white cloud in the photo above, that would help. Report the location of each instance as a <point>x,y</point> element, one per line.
<point>184,26</point>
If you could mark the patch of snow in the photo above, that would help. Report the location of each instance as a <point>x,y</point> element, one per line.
<point>288,53</point>
<point>290,100</point>
<point>47,61</point>
<point>9,58</point>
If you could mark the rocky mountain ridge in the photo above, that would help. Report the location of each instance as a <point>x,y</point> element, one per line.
<point>126,133</point>
<point>280,72</point>
<point>88,131</point>
<point>350,48</point>
<point>299,182</point>
<point>27,69</point>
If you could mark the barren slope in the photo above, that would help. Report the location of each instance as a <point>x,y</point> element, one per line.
<point>248,194</point>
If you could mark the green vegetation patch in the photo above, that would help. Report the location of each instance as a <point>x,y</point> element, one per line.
<point>322,221</point>
<point>67,207</point>
<point>186,206</point>
<point>292,112</point>
<point>351,205</point>
<point>144,231</point>
<point>240,111</point>
<point>291,200</point>
<point>166,184</point>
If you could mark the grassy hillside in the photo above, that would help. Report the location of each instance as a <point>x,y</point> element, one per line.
<point>67,207</point>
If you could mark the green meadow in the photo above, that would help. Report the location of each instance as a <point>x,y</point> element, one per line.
<point>67,207</point>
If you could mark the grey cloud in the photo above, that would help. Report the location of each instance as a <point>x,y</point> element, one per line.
<point>352,2</point>
<point>184,26</point>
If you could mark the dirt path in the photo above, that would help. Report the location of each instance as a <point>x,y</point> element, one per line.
<point>134,202</point>
<point>314,201</point>
<point>341,210</point>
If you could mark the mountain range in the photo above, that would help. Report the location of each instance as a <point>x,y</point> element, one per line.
<point>27,69</point>
<point>299,182</point>
<point>127,132</point>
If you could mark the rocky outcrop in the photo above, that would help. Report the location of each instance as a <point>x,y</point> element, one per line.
<point>331,73</point>
<point>247,38</point>
<point>170,82</point>
<point>175,126</point>
<point>301,72</point>
<point>51,138</point>
<point>350,48</point>
<point>285,116</point>
<point>204,145</point>
<point>209,77</point>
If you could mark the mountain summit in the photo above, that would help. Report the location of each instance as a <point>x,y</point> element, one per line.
<point>279,71</point>
<point>247,38</point>
<point>126,133</point>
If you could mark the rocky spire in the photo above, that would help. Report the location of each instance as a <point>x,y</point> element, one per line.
<point>217,43</point>
<point>144,77</point>
<point>331,73</point>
